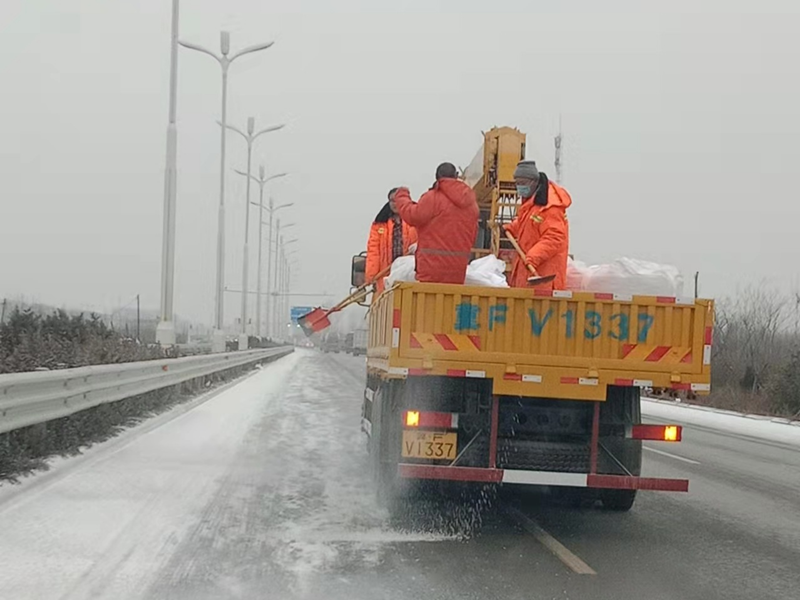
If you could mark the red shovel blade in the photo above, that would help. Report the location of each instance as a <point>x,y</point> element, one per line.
<point>540,279</point>
<point>314,321</point>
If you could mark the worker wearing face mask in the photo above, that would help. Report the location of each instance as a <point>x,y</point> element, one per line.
<point>540,227</point>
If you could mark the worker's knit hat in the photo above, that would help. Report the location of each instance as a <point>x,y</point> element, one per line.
<point>526,169</point>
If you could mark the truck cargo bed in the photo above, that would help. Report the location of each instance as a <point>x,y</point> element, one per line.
<point>542,344</point>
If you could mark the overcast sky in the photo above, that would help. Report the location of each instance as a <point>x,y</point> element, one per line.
<point>681,131</point>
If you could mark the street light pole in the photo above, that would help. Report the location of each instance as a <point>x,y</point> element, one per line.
<point>249,137</point>
<point>260,180</point>
<point>218,341</point>
<point>289,265</point>
<point>165,331</point>
<point>283,244</point>
<point>272,210</point>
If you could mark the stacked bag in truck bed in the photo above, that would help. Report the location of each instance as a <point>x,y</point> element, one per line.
<point>488,271</point>
<point>629,276</point>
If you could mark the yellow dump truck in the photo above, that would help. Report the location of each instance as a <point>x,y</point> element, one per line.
<point>518,386</point>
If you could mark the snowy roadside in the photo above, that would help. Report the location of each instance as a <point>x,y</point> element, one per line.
<point>772,429</point>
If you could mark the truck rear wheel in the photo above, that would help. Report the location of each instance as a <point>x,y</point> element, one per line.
<point>385,444</point>
<point>620,456</point>
<point>619,500</point>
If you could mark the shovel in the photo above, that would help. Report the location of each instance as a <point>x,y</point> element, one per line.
<point>317,320</point>
<point>535,278</point>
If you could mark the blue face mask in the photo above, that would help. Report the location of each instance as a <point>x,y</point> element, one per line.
<point>524,191</point>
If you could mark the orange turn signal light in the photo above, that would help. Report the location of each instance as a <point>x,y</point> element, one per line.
<point>671,433</point>
<point>412,418</point>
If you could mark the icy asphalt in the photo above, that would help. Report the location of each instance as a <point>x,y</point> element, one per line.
<point>262,491</point>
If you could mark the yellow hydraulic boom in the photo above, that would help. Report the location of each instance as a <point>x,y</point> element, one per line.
<point>491,175</point>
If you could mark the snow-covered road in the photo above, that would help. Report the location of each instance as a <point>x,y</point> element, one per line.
<point>263,482</point>
<point>261,490</point>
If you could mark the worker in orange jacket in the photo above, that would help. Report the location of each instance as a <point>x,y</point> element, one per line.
<point>389,238</point>
<point>540,227</point>
<point>446,218</point>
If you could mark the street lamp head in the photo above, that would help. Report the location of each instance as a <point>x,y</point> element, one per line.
<point>261,172</point>
<point>224,42</point>
<point>192,46</point>
<point>254,48</point>
<point>251,125</point>
<point>268,130</point>
<point>287,205</point>
<point>274,176</point>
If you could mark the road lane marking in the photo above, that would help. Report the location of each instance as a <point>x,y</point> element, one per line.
<point>564,554</point>
<point>675,456</point>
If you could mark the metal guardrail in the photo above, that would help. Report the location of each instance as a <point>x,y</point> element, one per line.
<point>40,396</point>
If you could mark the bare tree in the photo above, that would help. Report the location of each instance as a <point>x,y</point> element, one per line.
<point>751,336</point>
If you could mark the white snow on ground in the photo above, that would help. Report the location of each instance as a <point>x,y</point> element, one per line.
<point>104,527</point>
<point>771,429</point>
<point>262,490</point>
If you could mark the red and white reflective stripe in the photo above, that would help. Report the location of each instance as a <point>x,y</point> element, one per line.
<point>707,354</point>
<point>680,300</point>
<point>615,297</point>
<point>552,293</point>
<point>554,478</point>
<point>449,473</point>
<point>544,478</point>
<point>709,336</point>
<point>694,387</point>
<point>644,383</point>
<point>523,378</point>
<point>580,381</point>
<point>466,373</point>
<point>396,319</point>
<point>369,394</point>
<point>622,482</point>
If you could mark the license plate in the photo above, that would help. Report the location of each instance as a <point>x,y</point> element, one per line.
<point>429,444</point>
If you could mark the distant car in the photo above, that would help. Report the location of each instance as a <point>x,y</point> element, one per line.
<point>360,342</point>
<point>348,343</point>
<point>332,342</point>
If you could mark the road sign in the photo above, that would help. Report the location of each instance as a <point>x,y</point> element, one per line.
<point>299,311</point>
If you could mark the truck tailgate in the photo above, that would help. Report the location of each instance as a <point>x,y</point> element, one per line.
<point>551,344</point>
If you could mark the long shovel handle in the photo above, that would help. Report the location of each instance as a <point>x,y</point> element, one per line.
<point>382,273</point>
<point>521,254</point>
<point>359,292</point>
<point>535,278</point>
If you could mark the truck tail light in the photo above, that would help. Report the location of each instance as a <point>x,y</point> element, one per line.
<point>662,433</point>
<point>434,420</point>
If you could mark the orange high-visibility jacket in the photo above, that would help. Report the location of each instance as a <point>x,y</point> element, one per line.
<point>446,218</point>
<point>379,248</point>
<point>543,235</point>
